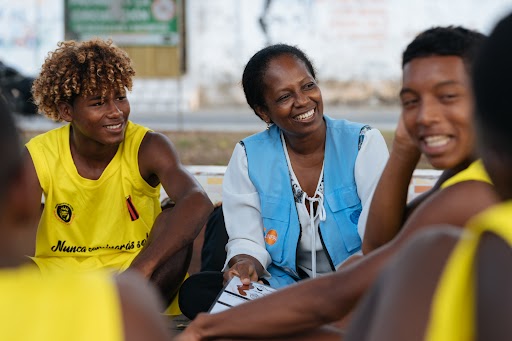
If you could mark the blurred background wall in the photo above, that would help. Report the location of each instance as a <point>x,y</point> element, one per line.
<point>355,44</point>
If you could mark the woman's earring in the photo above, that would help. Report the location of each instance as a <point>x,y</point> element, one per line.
<point>268,125</point>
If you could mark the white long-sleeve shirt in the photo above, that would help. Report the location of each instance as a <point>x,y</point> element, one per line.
<point>242,211</point>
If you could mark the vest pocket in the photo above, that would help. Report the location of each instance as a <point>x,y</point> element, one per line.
<point>276,218</point>
<point>346,207</point>
<point>280,278</point>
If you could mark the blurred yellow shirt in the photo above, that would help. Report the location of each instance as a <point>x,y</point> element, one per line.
<point>59,307</point>
<point>475,171</point>
<point>452,314</point>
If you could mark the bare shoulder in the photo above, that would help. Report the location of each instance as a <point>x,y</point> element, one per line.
<point>155,142</point>
<point>453,205</point>
<point>157,157</point>
<point>463,195</point>
<point>141,309</point>
<point>398,305</point>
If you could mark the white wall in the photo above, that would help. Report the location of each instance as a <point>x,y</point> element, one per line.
<point>28,30</point>
<point>355,44</point>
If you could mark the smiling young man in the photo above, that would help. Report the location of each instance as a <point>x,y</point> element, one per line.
<point>101,175</point>
<point>436,121</point>
<point>437,110</point>
<point>451,283</point>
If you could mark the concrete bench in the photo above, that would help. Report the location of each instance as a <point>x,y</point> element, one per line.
<point>210,177</point>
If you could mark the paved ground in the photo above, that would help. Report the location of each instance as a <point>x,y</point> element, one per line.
<point>231,119</point>
<point>178,324</point>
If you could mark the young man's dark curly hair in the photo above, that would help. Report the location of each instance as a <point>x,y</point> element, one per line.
<point>81,69</point>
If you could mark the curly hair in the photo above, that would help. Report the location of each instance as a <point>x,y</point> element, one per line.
<point>80,69</point>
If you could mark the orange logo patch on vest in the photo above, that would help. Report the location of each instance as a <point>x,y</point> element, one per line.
<point>64,212</point>
<point>271,237</point>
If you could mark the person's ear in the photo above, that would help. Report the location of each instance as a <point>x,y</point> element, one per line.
<point>65,110</point>
<point>262,113</point>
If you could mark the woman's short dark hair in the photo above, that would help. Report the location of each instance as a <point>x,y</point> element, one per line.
<point>254,72</point>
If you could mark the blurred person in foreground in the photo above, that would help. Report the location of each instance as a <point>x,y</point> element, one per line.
<point>437,108</point>
<point>294,196</point>
<point>101,175</point>
<point>451,283</point>
<point>92,306</point>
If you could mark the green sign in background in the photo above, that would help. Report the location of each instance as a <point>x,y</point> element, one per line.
<point>136,22</point>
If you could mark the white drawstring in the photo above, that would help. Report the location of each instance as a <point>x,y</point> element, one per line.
<point>317,197</point>
<point>320,212</point>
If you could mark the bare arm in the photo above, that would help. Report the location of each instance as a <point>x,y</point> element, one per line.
<point>176,228</point>
<point>398,306</point>
<point>388,206</point>
<point>453,205</point>
<point>140,309</point>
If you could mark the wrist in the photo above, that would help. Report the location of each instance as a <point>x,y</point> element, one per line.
<point>407,155</point>
<point>239,258</point>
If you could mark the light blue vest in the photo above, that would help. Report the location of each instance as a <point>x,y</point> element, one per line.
<point>268,171</point>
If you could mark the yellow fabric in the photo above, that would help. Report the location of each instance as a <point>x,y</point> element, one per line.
<point>86,223</point>
<point>59,308</point>
<point>452,315</point>
<point>475,171</point>
<point>100,233</point>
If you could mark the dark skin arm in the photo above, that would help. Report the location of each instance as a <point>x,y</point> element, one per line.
<point>177,228</point>
<point>397,307</point>
<point>140,309</point>
<point>388,207</point>
<point>324,333</point>
<point>312,303</point>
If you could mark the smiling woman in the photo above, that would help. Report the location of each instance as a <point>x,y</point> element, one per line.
<point>295,197</point>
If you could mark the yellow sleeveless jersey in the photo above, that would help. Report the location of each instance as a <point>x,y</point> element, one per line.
<point>61,307</point>
<point>475,171</point>
<point>90,224</point>
<point>452,315</point>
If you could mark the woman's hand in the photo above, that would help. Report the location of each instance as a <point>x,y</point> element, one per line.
<point>244,266</point>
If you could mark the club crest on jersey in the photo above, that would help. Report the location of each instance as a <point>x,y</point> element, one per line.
<point>64,212</point>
